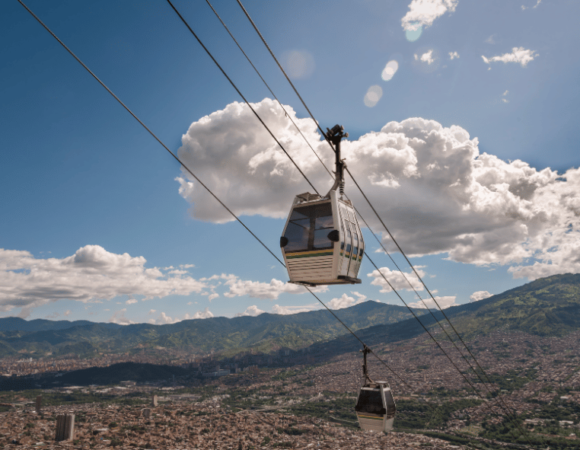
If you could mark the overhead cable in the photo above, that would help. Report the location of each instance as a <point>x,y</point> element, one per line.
<point>238,91</point>
<point>372,207</point>
<point>190,172</point>
<point>149,131</point>
<point>268,87</point>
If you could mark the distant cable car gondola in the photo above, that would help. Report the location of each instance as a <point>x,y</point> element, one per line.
<point>322,242</point>
<point>375,406</point>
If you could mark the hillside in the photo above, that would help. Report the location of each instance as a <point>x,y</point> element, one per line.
<point>18,324</point>
<point>262,333</point>
<point>545,307</point>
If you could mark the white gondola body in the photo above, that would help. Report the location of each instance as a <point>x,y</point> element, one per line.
<point>375,408</point>
<point>312,257</point>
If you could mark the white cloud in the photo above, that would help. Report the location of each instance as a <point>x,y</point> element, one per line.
<point>453,55</point>
<point>205,314</point>
<point>119,318</point>
<point>91,274</point>
<point>479,295</point>
<point>518,55</point>
<point>251,311</point>
<point>445,197</point>
<point>533,7</point>
<point>504,99</point>
<point>373,95</point>
<point>443,302</point>
<point>426,57</point>
<point>67,313</point>
<point>424,12</point>
<point>490,40</point>
<point>264,291</point>
<point>397,279</point>
<point>346,301</point>
<point>286,310</point>
<point>163,318</point>
<point>131,301</point>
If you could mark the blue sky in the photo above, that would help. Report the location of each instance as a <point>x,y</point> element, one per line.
<point>77,170</point>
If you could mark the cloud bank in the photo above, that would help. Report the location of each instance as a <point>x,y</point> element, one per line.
<point>443,301</point>
<point>264,291</point>
<point>434,188</point>
<point>519,55</point>
<point>479,295</point>
<point>91,274</point>
<point>424,12</point>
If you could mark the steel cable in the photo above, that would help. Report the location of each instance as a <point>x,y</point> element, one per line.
<point>192,174</point>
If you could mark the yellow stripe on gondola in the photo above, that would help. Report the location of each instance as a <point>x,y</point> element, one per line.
<point>364,416</point>
<point>309,254</point>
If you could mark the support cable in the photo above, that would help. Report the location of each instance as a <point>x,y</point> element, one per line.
<point>303,174</point>
<point>188,170</point>
<point>360,189</point>
<point>506,407</point>
<point>196,178</point>
<point>366,198</point>
<point>239,93</point>
<point>267,86</point>
<point>150,132</point>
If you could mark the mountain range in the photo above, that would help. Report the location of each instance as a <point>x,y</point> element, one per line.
<point>262,333</point>
<point>547,307</point>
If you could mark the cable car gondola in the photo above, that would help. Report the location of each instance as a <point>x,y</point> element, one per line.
<point>375,406</point>
<point>322,242</point>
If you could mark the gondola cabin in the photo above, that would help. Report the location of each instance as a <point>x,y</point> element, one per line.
<point>322,242</point>
<point>375,407</point>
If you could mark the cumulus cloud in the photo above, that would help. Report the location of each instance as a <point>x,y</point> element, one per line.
<point>119,318</point>
<point>397,279</point>
<point>424,12</point>
<point>453,55</point>
<point>91,274</point>
<point>479,295</point>
<point>264,291</point>
<point>519,55</point>
<point>164,319</point>
<point>426,57</point>
<point>443,302</point>
<point>251,311</point>
<point>444,195</point>
<point>131,301</point>
<point>286,310</point>
<point>345,301</point>
<point>205,314</point>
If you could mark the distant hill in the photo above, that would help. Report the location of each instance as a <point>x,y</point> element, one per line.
<point>18,324</point>
<point>262,333</point>
<point>545,307</point>
<point>113,374</point>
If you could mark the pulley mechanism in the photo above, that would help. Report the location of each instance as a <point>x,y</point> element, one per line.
<point>335,136</point>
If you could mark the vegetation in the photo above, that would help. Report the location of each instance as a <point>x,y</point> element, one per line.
<point>414,414</point>
<point>264,333</point>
